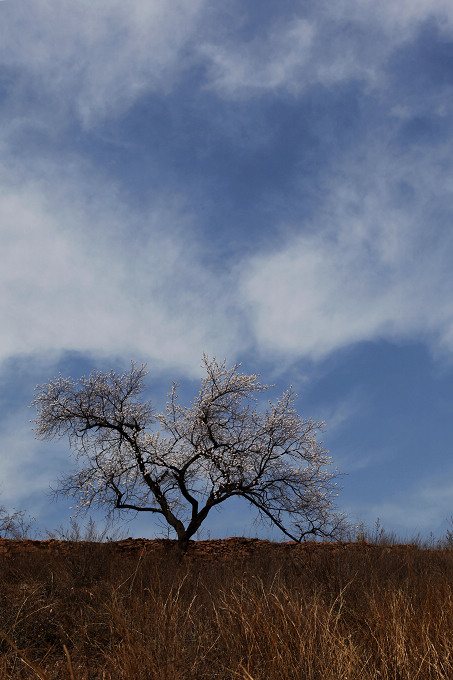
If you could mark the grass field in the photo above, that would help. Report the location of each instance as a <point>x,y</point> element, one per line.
<point>344,611</point>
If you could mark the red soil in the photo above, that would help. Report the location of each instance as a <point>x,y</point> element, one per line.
<point>215,549</point>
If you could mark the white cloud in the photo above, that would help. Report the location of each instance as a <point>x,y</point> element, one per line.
<point>267,62</point>
<point>23,471</point>
<point>401,16</point>
<point>335,42</point>
<point>373,265</point>
<point>82,272</point>
<point>337,414</point>
<point>75,281</point>
<point>96,56</point>
<point>423,508</point>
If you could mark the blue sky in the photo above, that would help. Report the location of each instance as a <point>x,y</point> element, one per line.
<point>267,182</point>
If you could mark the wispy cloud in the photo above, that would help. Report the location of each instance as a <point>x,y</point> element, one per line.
<point>423,508</point>
<point>86,273</point>
<point>95,58</point>
<point>330,44</point>
<point>375,263</point>
<point>23,469</point>
<point>338,414</point>
<point>268,62</point>
<point>267,181</point>
<point>364,268</point>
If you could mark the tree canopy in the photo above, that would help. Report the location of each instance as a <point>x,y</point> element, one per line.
<point>187,460</point>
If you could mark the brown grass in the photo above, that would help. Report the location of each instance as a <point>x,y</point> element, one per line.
<point>267,612</point>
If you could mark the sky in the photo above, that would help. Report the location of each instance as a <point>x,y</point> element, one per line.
<point>269,183</point>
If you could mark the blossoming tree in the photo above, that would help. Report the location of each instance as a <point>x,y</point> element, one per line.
<point>183,463</point>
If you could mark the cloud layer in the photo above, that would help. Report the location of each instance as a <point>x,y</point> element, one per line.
<point>362,268</point>
<point>95,59</point>
<point>331,44</point>
<point>267,182</point>
<point>375,264</point>
<point>94,277</point>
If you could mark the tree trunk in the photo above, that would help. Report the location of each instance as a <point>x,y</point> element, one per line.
<point>182,546</point>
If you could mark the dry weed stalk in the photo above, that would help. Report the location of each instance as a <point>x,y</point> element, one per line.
<point>330,612</point>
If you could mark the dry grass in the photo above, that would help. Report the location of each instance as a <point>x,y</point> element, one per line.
<point>356,612</point>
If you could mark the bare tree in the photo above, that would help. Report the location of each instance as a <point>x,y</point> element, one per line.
<point>182,463</point>
<point>16,524</point>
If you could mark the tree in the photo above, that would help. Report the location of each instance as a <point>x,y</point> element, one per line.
<point>184,462</point>
<point>16,524</point>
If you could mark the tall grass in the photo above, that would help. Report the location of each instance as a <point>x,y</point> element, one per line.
<point>317,612</point>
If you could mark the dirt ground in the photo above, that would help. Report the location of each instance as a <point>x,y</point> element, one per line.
<point>214,549</point>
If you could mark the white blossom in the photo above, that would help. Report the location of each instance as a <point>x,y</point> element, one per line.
<point>183,462</point>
